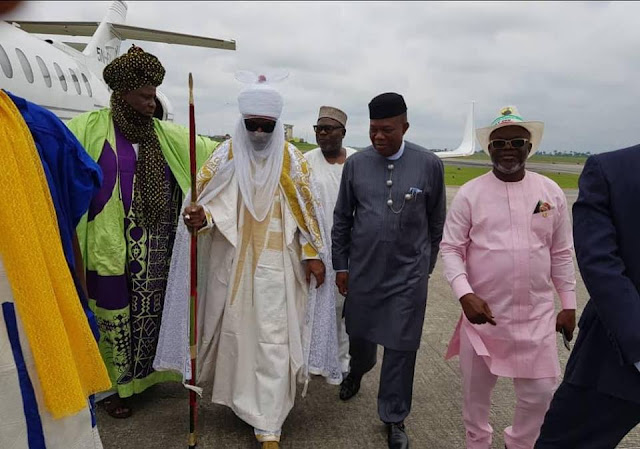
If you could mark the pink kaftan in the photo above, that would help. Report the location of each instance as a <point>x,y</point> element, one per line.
<point>495,246</point>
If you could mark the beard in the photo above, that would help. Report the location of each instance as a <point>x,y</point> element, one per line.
<point>508,170</point>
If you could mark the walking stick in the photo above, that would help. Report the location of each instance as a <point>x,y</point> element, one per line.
<point>193,303</point>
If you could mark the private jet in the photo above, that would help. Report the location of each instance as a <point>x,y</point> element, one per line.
<point>66,77</point>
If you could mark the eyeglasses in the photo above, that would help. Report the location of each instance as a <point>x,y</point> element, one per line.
<point>266,126</point>
<point>517,143</point>
<point>326,128</point>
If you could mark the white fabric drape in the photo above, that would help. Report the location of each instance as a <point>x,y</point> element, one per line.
<point>258,172</point>
<point>319,337</point>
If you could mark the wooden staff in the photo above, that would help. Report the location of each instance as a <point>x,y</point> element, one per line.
<point>193,304</point>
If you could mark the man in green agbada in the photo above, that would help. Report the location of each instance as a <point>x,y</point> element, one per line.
<point>127,236</point>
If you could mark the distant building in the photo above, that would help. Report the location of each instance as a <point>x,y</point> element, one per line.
<point>288,132</point>
<point>220,137</point>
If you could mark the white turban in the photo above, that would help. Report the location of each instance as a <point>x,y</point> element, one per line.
<point>258,170</point>
<point>260,100</point>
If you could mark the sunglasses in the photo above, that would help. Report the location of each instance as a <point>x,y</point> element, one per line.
<point>326,128</point>
<point>500,144</point>
<point>266,126</point>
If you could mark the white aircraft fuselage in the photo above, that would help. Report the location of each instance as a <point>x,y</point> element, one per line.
<point>55,76</point>
<point>66,78</point>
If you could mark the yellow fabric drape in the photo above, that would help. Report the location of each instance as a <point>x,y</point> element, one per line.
<point>65,352</point>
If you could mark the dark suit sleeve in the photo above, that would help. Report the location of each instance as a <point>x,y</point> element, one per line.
<point>615,297</point>
<point>436,210</point>
<point>343,220</point>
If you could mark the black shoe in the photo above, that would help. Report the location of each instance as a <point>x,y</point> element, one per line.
<point>397,436</point>
<point>349,387</point>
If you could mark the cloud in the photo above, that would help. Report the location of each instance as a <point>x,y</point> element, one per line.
<point>570,64</point>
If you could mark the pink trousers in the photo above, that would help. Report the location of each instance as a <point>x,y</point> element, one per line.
<point>533,399</point>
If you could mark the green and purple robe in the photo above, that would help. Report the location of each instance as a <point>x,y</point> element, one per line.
<point>127,263</point>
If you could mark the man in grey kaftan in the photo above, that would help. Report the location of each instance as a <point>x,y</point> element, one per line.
<point>388,225</point>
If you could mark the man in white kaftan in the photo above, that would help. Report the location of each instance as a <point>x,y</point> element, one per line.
<point>261,243</point>
<point>327,162</point>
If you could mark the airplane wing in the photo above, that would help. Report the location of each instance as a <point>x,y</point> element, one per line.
<point>450,154</point>
<point>467,147</point>
<point>168,37</point>
<point>60,28</point>
<point>125,32</point>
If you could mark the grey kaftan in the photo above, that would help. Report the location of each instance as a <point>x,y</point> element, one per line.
<point>389,256</point>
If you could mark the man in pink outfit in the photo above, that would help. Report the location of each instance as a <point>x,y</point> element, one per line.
<point>507,242</point>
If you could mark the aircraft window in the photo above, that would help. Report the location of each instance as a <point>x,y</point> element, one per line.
<point>5,63</point>
<point>26,67</point>
<point>87,84</point>
<point>63,80</point>
<point>76,82</point>
<point>45,71</point>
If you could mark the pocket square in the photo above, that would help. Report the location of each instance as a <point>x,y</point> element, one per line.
<point>413,193</point>
<point>542,206</point>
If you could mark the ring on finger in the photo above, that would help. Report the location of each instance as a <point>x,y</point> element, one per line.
<point>187,217</point>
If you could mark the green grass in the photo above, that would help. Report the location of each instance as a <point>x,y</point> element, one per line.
<point>304,147</point>
<point>564,180</point>
<point>457,175</point>
<point>543,158</point>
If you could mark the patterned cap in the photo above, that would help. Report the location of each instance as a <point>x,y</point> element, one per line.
<point>334,114</point>
<point>133,70</point>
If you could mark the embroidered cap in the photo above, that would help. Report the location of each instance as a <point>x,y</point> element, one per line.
<point>334,114</point>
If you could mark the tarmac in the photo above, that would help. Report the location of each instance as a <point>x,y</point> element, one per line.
<point>321,420</point>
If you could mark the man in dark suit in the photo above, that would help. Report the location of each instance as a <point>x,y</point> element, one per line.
<point>598,402</point>
<point>387,228</point>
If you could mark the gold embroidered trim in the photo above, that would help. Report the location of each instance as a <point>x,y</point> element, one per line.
<point>308,251</point>
<point>296,185</point>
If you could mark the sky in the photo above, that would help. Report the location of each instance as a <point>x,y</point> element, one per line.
<point>572,65</point>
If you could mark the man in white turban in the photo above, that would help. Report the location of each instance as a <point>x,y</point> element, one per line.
<point>265,317</point>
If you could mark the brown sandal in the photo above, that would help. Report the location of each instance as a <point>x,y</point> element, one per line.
<point>114,405</point>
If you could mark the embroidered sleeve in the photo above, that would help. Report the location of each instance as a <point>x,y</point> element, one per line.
<point>211,167</point>
<point>308,250</point>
